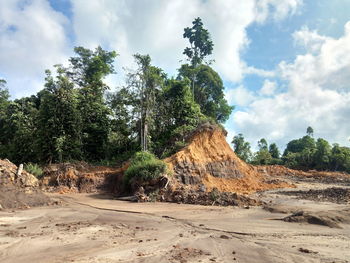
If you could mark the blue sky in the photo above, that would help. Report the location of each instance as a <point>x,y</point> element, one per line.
<point>284,62</point>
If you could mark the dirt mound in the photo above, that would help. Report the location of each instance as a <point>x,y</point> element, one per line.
<point>19,189</point>
<point>328,218</point>
<point>208,161</point>
<point>80,177</point>
<point>190,196</point>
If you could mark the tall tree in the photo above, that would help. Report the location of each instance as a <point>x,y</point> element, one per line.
<point>201,44</point>
<point>88,70</point>
<point>145,83</point>
<point>322,155</point>
<point>59,119</point>
<point>262,144</point>
<point>274,151</point>
<point>241,147</point>
<point>310,131</point>
<point>208,91</point>
<point>262,156</point>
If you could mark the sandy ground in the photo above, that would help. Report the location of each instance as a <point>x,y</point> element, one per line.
<point>96,228</point>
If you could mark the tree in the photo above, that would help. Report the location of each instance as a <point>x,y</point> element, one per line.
<point>340,158</point>
<point>241,147</point>
<point>18,130</point>
<point>4,98</point>
<point>87,70</point>
<point>262,156</point>
<point>322,156</point>
<point>310,131</point>
<point>145,83</point>
<point>208,91</point>
<point>274,151</point>
<point>262,144</point>
<point>303,150</point>
<point>59,120</point>
<point>201,44</point>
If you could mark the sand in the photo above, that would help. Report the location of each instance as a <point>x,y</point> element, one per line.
<point>96,228</point>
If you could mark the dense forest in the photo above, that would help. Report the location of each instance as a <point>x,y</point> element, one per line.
<point>76,116</point>
<point>303,153</point>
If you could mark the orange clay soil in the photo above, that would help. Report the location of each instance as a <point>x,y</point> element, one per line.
<point>209,160</point>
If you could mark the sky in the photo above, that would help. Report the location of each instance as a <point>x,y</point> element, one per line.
<point>285,63</point>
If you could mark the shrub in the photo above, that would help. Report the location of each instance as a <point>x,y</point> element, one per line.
<point>34,169</point>
<point>144,166</point>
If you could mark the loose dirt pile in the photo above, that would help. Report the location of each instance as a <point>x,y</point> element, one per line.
<point>19,189</point>
<point>190,196</point>
<point>279,171</point>
<point>334,195</point>
<point>209,162</point>
<point>80,177</point>
<point>331,219</point>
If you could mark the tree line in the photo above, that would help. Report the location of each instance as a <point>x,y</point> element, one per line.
<point>303,153</point>
<point>76,116</point>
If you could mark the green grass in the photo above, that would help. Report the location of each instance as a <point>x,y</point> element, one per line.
<point>34,169</point>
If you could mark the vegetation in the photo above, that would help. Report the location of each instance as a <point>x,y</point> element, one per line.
<point>303,153</point>
<point>34,169</point>
<point>144,167</point>
<point>76,117</point>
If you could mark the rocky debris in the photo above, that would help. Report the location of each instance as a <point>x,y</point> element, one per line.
<point>189,196</point>
<point>305,250</point>
<point>80,177</point>
<point>18,188</point>
<point>185,254</point>
<point>334,194</point>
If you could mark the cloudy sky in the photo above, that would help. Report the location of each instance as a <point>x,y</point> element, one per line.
<point>285,63</point>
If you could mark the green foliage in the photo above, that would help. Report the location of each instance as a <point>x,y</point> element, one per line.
<point>241,147</point>
<point>208,91</point>
<point>59,120</point>
<point>201,44</point>
<point>262,157</point>
<point>34,169</point>
<point>310,131</point>
<point>144,167</point>
<point>274,151</point>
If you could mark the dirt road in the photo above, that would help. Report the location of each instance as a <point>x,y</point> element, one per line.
<point>94,228</point>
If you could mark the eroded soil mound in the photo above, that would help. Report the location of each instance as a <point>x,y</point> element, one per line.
<point>331,219</point>
<point>19,189</point>
<point>209,162</point>
<point>80,177</point>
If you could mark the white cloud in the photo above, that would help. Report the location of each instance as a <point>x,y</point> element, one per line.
<point>259,72</point>
<point>311,40</point>
<point>279,9</point>
<point>32,38</point>
<point>268,87</point>
<point>240,96</point>
<point>317,95</point>
<point>155,27</point>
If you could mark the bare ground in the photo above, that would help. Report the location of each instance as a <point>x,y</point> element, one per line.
<point>96,228</point>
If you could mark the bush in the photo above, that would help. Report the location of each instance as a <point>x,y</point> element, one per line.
<point>144,167</point>
<point>34,169</point>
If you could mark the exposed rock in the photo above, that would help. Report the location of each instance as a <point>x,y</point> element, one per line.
<point>209,160</point>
